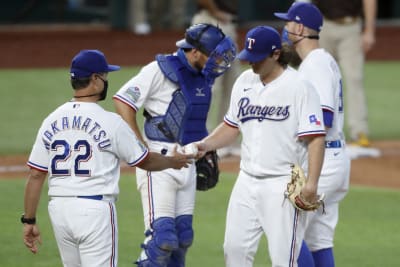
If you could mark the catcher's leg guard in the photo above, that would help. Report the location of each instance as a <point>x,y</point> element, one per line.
<point>324,258</point>
<point>162,242</point>
<point>305,258</point>
<point>185,236</point>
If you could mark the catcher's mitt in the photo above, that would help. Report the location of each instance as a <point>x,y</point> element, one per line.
<point>207,171</point>
<point>293,191</point>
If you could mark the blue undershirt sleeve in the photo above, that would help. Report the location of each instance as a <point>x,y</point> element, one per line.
<point>328,117</point>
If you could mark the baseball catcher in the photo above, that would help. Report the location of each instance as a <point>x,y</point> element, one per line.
<point>293,191</point>
<point>207,171</point>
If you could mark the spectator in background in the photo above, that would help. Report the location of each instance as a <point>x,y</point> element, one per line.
<point>222,13</point>
<point>157,14</point>
<point>139,20</point>
<point>168,14</point>
<point>348,39</point>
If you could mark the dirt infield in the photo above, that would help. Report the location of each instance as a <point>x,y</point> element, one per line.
<point>35,47</point>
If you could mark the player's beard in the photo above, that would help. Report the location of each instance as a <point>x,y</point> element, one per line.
<point>197,65</point>
<point>291,55</point>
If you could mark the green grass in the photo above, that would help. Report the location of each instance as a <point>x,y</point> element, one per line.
<point>367,233</point>
<point>28,95</point>
<point>383,96</point>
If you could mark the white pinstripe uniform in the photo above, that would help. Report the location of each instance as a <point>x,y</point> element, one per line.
<point>271,118</point>
<point>80,146</point>
<point>152,90</point>
<point>320,69</point>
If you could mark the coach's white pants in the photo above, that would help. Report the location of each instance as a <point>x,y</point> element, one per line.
<point>86,231</point>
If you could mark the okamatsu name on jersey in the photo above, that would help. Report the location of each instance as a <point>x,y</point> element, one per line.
<point>86,125</point>
<point>247,111</point>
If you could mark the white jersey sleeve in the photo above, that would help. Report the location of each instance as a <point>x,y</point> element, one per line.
<point>309,110</point>
<point>39,157</point>
<point>126,142</point>
<point>135,91</point>
<point>149,89</point>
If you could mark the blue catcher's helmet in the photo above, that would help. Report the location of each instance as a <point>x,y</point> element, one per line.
<point>204,37</point>
<point>211,41</point>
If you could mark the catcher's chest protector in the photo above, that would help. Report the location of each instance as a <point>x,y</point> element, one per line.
<point>185,119</point>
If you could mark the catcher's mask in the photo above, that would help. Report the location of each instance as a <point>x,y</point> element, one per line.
<point>211,41</point>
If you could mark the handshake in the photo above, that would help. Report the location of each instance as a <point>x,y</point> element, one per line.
<point>191,150</point>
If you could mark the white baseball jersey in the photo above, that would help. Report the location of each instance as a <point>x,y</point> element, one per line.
<point>320,69</point>
<point>80,145</point>
<point>271,118</point>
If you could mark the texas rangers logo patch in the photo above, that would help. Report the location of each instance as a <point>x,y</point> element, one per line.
<point>314,119</point>
<point>250,43</point>
<point>133,93</point>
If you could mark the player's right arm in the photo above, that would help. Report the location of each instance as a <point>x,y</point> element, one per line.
<point>227,132</point>
<point>223,135</point>
<point>316,152</point>
<point>157,162</point>
<point>129,115</point>
<point>130,149</point>
<point>33,188</point>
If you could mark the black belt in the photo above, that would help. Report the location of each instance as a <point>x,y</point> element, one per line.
<point>333,144</point>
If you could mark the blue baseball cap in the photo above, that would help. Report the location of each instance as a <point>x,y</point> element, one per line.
<point>87,62</point>
<point>304,13</point>
<point>260,42</point>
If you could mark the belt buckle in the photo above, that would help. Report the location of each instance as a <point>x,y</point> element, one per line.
<point>333,144</point>
<point>327,144</point>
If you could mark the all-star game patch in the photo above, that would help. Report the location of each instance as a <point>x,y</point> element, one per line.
<point>133,93</point>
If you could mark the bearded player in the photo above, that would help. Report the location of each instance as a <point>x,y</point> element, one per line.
<point>175,93</point>
<point>303,24</point>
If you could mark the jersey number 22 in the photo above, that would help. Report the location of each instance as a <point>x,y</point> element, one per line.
<point>81,149</point>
